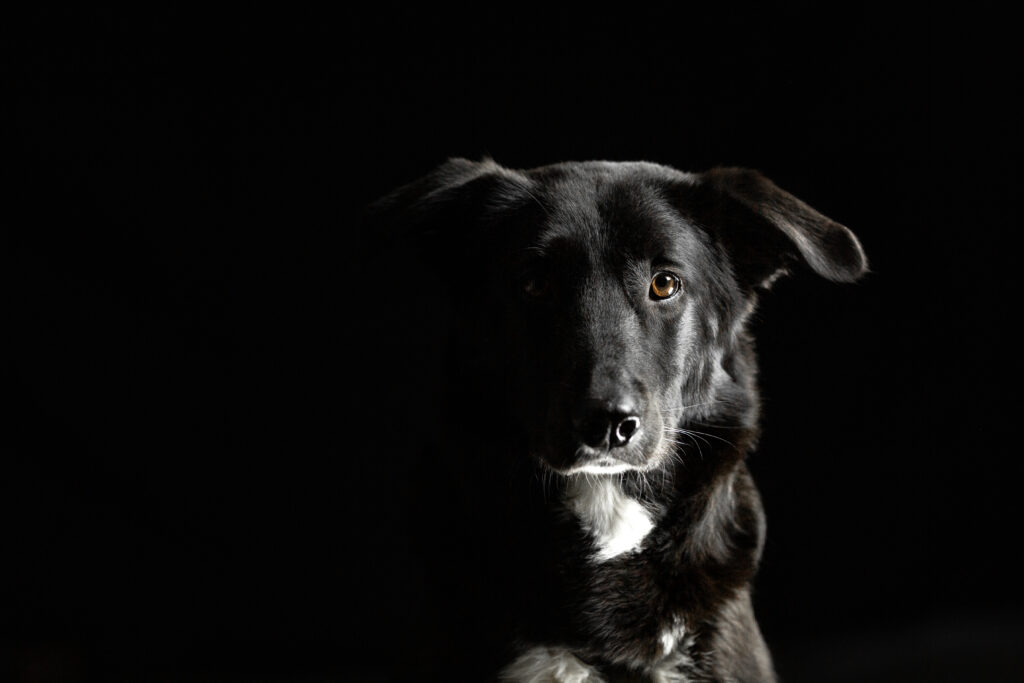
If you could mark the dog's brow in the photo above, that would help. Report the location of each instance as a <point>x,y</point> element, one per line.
<point>550,246</point>
<point>641,216</point>
<point>655,237</point>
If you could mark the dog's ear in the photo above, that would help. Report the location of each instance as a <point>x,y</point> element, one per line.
<point>441,202</point>
<point>766,230</point>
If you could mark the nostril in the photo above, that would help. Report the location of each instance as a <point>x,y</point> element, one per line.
<point>594,431</point>
<point>625,430</point>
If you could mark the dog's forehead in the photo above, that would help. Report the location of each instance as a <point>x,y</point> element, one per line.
<point>623,207</point>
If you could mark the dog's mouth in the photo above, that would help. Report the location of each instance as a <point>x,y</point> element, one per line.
<point>605,465</point>
<point>589,461</point>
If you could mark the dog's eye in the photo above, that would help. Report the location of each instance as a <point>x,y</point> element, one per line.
<point>664,285</point>
<point>536,287</point>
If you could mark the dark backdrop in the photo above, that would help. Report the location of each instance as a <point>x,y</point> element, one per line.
<point>190,341</point>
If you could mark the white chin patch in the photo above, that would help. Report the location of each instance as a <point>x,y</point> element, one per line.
<point>617,523</point>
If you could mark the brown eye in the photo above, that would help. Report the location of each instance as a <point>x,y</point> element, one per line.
<point>664,285</point>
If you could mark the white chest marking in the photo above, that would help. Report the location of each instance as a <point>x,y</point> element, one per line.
<point>673,635</point>
<point>546,665</point>
<point>668,642</point>
<point>617,523</point>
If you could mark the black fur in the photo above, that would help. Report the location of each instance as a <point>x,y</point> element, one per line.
<point>549,271</point>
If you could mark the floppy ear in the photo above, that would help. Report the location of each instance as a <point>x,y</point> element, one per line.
<point>440,201</point>
<point>766,229</point>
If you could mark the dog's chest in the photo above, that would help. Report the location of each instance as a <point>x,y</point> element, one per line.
<point>623,609</point>
<point>562,665</point>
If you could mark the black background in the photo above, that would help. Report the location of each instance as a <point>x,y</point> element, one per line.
<point>190,344</point>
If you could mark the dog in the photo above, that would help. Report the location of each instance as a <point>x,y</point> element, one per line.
<point>602,399</point>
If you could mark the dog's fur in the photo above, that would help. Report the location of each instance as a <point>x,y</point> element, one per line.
<point>604,562</point>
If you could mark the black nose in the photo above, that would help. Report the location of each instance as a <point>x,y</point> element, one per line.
<point>603,424</point>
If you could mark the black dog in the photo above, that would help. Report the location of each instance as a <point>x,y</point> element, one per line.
<point>602,400</point>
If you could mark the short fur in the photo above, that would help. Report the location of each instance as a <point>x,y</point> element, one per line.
<point>596,562</point>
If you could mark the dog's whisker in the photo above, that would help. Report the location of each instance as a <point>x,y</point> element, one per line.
<point>693,431</point>
<point>680,443</point>
<point>670,439</point>
<point>667,437</point>
<point>699,451</point>
<point>693,434</point>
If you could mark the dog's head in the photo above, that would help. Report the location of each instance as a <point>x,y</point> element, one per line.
<point>613,296</point>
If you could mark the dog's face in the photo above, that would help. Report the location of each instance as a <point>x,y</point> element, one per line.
<point>624,309</point>
<point>616,292</point>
